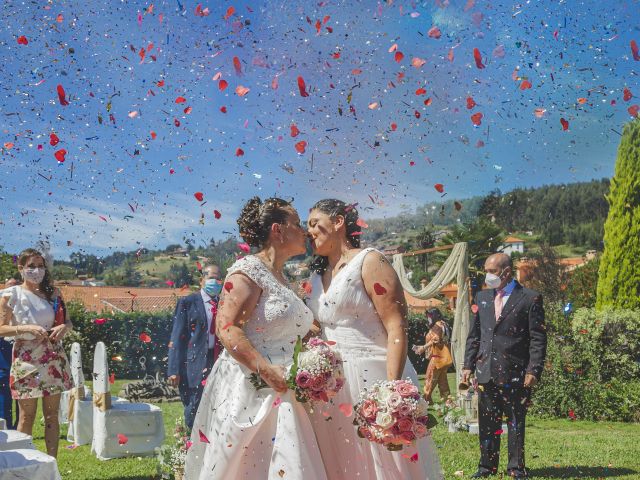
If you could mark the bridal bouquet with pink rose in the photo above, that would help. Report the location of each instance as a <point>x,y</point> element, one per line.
<point>316,372</point>
<point>391,413</point>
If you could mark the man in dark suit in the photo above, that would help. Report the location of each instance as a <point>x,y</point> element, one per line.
<point>194,347</point>
<point>505,348</point>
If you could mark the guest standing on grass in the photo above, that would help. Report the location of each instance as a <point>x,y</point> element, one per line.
<point>506,348</point>
<point>34,315</point>
<point>436,349</point>
<point>194,347</point>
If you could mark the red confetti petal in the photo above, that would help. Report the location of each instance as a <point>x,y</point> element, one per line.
<point>414,458</point>
<point>154,135</point>
<point>222,85</point>
<point>626,94</point>
<point>145,338</point>
<point>346,409</point>
<point>228,286</point>
<point>434,32</point>
<point>60,155</point>
<point>112,378</point>
<point>216,214</point>
<point>122,439</point>
<point>361,223</point>
<point>633,110</point>
<point>237,66</point>
<point>22,40</point>
<point>199,196</point>
<point>525,85</point>
<point>239,152</point>
<point>306,286</point>
<point>565,124</point>
<point>180,100</point>
<point>203,437</point>
<point>499,432</point>
<point>421,91</point>
<point>470,103</point>
<point>241,90</point>
<point>53,139</point>
<point>301,146</point>
<point>476,119</point>
<point>439,187</point>
<point>244,247</point>
<point>477,56</point>
<point>230,11</point>
<point>379,289</point>
<point>223,109</point>
<point>100,321</point>
<point>634,50</point>
<point>398,56</point>
<point>187,110</point>
<point>294,130</point>
<point>302,87</point>
<point>62,96</point>
<point>394,127</point>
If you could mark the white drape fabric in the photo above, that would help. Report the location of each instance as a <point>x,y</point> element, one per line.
<point>29,464</point>
<point>454,269</point>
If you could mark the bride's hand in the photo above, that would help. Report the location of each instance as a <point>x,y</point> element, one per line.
<point>273,375</point>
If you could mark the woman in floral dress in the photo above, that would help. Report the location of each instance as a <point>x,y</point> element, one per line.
<point>34,314</point>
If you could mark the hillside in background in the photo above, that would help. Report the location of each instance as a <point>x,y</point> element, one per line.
<point>569,217</point>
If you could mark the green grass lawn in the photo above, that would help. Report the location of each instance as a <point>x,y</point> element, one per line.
<point>555,449</point>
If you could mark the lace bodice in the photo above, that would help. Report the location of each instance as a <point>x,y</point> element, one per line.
<point>279,317</point>
<point>346,312</point>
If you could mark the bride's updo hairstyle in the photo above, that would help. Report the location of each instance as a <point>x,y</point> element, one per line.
<point>333,207</point>
<point>257,216</point>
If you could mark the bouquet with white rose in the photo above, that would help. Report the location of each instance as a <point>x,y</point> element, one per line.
<point>391,413</point>
<point>316,373</point>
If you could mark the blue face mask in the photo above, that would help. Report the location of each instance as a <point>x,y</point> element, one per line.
<point>212,287</point>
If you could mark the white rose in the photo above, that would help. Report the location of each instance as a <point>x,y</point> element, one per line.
<point>307,360</point>
<point>384,420</point>
<point>383,394</point>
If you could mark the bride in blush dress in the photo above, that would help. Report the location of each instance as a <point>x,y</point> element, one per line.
<point>240,432</point>
<point>358,301</point>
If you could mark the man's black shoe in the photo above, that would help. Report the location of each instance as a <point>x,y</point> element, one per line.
<point>482,474</point>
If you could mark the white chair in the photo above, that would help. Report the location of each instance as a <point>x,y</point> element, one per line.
<point>12,439</point>
<point>121,429</point>
<point>24,464</point>
<point>77,403</point>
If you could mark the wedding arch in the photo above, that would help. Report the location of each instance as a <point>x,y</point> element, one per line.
<point>455,268</point>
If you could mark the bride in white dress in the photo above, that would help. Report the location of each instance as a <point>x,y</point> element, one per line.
<point>240,432</point>
<point>358,300</point>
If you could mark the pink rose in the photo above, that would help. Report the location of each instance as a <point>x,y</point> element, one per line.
<point>303,379</point>
<point>406,389</point>
<point>419,430</point>
<point>317,382</point>
<point>394,400</point>
<point>26,356</point>
<point>405,409</point>
<point>369,409</point>
<point>405,425</point>
<point>408,436</point>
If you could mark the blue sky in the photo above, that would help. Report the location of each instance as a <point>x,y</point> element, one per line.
<point>120,189</point>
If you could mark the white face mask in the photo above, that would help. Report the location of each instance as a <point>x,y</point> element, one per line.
<point>492,280</point>
<point>33,275</point>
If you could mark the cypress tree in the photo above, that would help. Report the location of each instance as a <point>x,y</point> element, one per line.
<point>619,274</point>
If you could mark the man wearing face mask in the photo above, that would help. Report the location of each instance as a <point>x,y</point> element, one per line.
<point>506,348</point>
<point>194,347</point>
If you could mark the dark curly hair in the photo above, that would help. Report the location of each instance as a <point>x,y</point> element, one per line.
<point>46,285</point>
<point>257,216</point>
<point>333,208</point>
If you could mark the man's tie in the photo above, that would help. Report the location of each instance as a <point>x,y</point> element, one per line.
<point>212,329</point>
<point>497,303</point>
